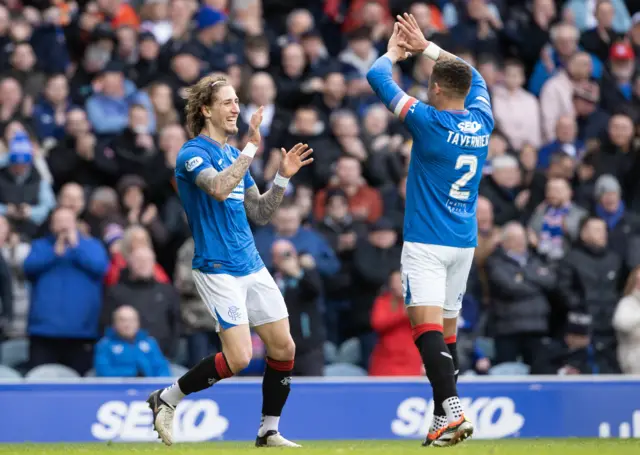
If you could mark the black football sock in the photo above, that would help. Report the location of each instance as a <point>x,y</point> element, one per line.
<point>276,386</point>
<point>207,372</point>
<point>453,350</point>
<point>438,363</point>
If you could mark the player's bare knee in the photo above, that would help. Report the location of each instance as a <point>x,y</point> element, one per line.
<point>284,349</point>
<point>239,359</point>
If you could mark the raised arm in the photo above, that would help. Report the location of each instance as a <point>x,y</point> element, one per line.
<point>412,40</point>
<point>261,207</point>
<point>219,185</point>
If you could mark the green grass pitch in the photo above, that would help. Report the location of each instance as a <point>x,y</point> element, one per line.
<point>500,447</point>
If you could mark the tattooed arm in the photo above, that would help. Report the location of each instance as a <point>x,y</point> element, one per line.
<point>261,207</point>
<point>221,184</point>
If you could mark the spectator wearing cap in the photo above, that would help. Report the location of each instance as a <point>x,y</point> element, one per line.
<point>623,226</point>
<point>590,280</point>
<point>66,270</point>
<point>591,118</point>
<point>286,225</point>
<point>215,46</point>
<point>519,283</point>
<point>572,353</point>
<point>516,110</point>
<point>50,111</point>
<point>626,321</point>
<point>555,223</point>
<point>617,89</point>
<point>393,354</point>
<point>126,351</point>
<point>375,257</point>
<point>365,202</point>
<point>556,56</point>
<point>503,188</point>
<point>108,108</point>
<point>556,94</point>
<point>598,40</point>
<point>25,197</point>
<point>587,14</point>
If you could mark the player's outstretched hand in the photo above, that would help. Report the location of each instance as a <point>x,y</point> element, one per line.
<point>411,37</point>
<point>254,126</point>
<point>294,159</point>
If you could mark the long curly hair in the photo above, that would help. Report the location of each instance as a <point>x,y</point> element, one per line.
<point>202,93</point>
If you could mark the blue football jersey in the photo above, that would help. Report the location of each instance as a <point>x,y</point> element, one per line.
<point>221,232</point>
<point>448,154</point>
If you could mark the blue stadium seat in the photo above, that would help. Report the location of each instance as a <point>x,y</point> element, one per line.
<point>14,352</point>
<point>52,371</point>
<point>9,374</point>
<point>350,352</point>
<point>510,369</point>
<point>344,369</point>
<point>177,370</point>
<point>330,352</point>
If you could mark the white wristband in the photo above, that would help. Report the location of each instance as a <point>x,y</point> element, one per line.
<point>250,149</point>
<point>432,51</point>
<point>281,181</point>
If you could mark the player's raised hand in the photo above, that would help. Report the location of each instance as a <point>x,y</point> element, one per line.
<point>411,37</point>
<point>394,48</point>
<point>294,159</point>
<point>254,126</point>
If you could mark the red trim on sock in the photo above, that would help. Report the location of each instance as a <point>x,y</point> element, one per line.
<point>222,367</point>
<point>422,328</point>
<point>280,365</point>
<point>450,340</point>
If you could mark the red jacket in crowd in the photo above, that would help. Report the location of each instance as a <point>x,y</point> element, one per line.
<point>395,354</point>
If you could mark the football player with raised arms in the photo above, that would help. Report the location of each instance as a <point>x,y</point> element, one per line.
<point>220,197</point>
<point>450,145</point>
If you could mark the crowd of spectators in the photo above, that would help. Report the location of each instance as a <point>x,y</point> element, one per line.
<point>95,269</point>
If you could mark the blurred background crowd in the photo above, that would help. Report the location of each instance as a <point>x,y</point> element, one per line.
<point>95,270</point>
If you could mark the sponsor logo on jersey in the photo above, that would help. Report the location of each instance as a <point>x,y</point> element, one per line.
<point>195,421</point>
<point>193,163</point>
<point>493,417</point>
<point>469,127</point>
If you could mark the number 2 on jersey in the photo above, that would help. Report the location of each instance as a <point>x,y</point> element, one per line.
<point>456,191</point>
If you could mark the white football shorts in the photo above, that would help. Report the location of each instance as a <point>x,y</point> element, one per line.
<point>435,275</point>
<point>253,299</point>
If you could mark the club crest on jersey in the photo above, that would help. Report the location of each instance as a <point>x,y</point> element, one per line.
<point>469,127</point>
<point>193,163</point>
